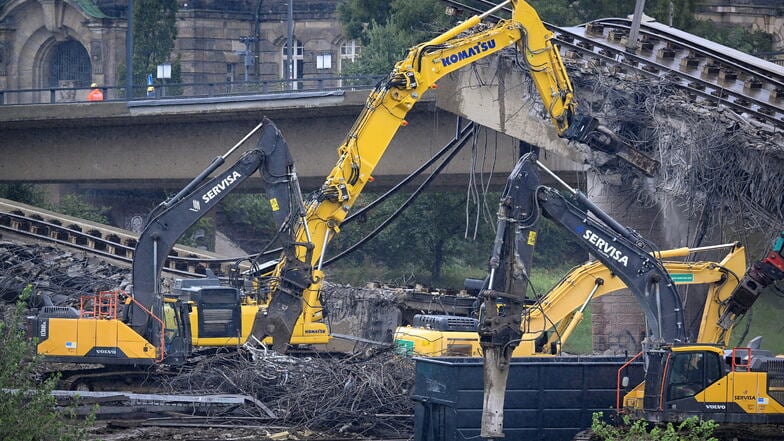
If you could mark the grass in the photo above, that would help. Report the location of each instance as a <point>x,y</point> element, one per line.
<point>763,319</point>
<point>581,340</point>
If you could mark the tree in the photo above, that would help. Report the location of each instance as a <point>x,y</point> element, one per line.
<point>29,194</point>
<point>357,15</point>
<point>388,32</point>
<point>27,409</point>
<point>154,33</point>
<point>76,206</point>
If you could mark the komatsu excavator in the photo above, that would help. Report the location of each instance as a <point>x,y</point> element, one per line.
<point>298,276</point>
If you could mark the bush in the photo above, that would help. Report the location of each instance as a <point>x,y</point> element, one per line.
<point>691,429</point>
<point>28,411</point>
<point>76,206</point>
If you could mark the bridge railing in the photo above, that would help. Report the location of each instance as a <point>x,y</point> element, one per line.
<point>55,95</point>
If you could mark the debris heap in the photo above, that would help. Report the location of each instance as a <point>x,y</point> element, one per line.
<point>368,395</point>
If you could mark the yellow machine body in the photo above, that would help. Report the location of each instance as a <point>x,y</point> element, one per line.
<point>549,323</point>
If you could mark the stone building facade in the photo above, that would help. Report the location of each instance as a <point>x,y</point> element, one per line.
<point>762,15</point>
<point>59,43</point>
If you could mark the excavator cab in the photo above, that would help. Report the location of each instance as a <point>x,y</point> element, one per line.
<point>738,386</point>
<point>176,332</point>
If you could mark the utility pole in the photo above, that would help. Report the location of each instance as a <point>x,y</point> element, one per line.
<point>290,43</point>
<point>129,53</point>
<point>257,34</point>
<point>634,32</point>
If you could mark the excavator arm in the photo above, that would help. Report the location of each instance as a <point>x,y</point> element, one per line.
<point>620,249</point>
<point>167,222</point>
<point>299,272</point>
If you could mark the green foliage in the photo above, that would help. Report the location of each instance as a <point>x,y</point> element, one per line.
<point>75,205</point>
<point>431,241</point>
<point>154,32</point>
<point>557,12</point>
<point>200,235</point>
<point>386,44</point>
<point>357,15</point>
<point>250,210</point>
<point>691,429</point>
<point>763,319</point>
<point>30,194</point>
<point>388,30</point>
<point>27,409</point>
<point>736,37</point>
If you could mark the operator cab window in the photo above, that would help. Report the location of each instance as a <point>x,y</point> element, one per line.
<point>692,372</point>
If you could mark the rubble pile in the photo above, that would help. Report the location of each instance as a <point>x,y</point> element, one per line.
<point>366,391</point>
<point>721,167</point>
<point>61,275</point>
<point>358,394</point>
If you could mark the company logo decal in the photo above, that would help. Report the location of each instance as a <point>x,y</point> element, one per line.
<point>222,185</point>
<point>606,248</point>
<point>471,52</point>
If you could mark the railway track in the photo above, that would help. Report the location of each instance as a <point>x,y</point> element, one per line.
<point>709,73</point>
<point>36,224</point>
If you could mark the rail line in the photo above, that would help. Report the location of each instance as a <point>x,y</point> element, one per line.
<point>708,73</point>
<point>109,242</point>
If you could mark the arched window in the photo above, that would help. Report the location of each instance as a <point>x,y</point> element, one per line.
<point>298,66</point>
<point>69,65</point>
<point>349,52</point>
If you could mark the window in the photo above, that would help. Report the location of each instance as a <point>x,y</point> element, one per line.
<point>297,67</point>
<point>350,50</point>
<point>230,71</point>
<point>324,61</point>
<point>692,372</point>
<point>349,53</point>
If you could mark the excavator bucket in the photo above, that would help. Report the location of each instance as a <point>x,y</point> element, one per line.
<point>285,308</point>
<point>278,320</point>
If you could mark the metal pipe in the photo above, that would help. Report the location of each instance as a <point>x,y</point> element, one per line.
<point>129,53</point>
<point>554,176</point>
<point>217,162</point>
<point>242,141</point>
<point>323,248</point>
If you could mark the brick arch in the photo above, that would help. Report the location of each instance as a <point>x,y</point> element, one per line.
<point>38,29</point>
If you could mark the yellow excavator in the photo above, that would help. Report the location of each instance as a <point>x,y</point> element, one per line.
<point>549,321</point>
<point>686,375</point>
<point>297,279</point>
<point>146,326</point>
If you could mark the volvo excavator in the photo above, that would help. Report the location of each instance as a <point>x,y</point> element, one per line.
<point>299,274</point>
<point>549,320</point>
<point>146,326</point>
<point>685,375</point>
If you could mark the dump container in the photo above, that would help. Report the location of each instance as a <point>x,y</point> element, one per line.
<point>547,398</point>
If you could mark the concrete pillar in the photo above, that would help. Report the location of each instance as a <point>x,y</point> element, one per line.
<point>617,321</point>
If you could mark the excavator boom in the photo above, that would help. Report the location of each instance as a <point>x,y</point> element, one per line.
<point>299,273</point>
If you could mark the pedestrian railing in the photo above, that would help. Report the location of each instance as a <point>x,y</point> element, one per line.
<point>57,95</point>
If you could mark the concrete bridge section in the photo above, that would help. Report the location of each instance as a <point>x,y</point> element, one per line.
<point>162,144</point>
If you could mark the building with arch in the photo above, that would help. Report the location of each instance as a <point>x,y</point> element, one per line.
<point>71,44</point>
